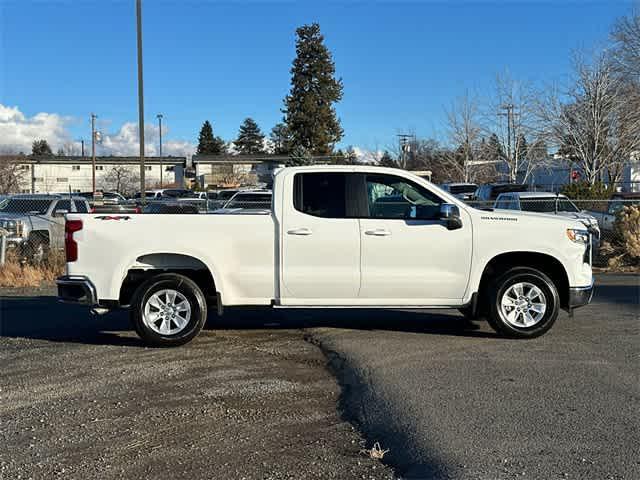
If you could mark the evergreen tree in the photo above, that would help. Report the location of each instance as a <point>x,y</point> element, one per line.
<point>521,146</point>
<point>299,156</point>
<point>309,112</point>
<point>280,138</point>
<point>250,139</point>
<point>494,148</point>
<point>40,148</point>
<point>60,152</point>
<point>208,144</point>
<point>387,161</point>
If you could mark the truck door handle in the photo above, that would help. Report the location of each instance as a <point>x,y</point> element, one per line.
<point>378,232</point>
<point>299,231</point>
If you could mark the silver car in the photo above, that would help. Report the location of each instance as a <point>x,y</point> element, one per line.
<point>34,224</point>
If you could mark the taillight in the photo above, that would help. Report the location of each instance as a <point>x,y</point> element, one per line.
<point>92,210</point>
<point>138,210</point>
<point>70,245</point>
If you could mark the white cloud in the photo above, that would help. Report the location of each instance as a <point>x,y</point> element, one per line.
<point>367,156</point>
<point>17,133</point>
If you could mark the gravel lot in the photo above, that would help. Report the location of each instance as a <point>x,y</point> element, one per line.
<point>81,398</point>
<point>451,400</point>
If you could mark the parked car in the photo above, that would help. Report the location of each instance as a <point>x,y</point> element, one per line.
<point>463,191</point>
<point>249,199</point>
<point>551,203</point>
<point>607,219</point>
<point>109,202</point>
<point>35,223</point>
<point>106,198</point>
<point>490,191</point>
<point>181,208</point>
<point>149,195</point>
<point>320,246</point>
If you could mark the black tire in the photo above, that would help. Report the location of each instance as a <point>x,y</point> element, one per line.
<point>172,282</point>
<point>530,276</point>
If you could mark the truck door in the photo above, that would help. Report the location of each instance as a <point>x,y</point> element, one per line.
<point>408,255</point>
<point>320,242</point>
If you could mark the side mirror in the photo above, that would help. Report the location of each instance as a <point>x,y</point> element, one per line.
<point>450,214</point>
<point>60,213</point>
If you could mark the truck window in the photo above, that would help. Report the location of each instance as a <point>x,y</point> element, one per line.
<point>81,207</point>
<point>63,205</point>
<point>320,194</point>
<point>394,197</point>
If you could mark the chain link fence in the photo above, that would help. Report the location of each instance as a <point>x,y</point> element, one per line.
<point>32,226</point>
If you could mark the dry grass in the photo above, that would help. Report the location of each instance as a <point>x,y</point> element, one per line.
<point>19,274</point>
<point>376,452</point>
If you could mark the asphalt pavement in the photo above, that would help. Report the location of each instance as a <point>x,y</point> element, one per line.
<point>450,399</point>
<point>82,398</point>
<point>252,397</point>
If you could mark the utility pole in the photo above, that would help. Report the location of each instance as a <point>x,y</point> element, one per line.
<point>81,146</point>
<point>160,131</point>
<point>508,107</point>
<point>140,100</point>
<point>93,154</point>
<point>405,146</point>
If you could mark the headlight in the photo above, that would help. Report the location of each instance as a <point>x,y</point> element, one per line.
<point>578,236</point>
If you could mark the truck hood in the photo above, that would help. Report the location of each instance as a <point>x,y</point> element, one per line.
<point>570,222</point>
<point>14,216</point>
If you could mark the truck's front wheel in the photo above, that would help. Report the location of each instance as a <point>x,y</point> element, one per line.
<point>168,310</point>
<point>523,303</point>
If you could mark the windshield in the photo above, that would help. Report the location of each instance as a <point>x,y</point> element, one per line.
<point>456,189</point>
<point>251,200</point>
<point>226,194</point>
<point>146,195</point>
<point>25,205</point>
<point>548,205</point>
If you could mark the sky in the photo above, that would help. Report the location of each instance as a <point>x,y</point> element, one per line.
<point>402,63</point>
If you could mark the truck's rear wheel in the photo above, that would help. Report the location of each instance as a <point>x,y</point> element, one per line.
<point>168,310</point>
<point>523,303</point>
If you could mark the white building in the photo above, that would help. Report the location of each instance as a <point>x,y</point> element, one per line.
<point>61,174</point>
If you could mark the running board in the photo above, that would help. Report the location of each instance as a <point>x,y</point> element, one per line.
<point>370,307</point>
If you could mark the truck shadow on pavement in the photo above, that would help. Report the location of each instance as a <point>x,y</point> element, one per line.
<point>44,318</point>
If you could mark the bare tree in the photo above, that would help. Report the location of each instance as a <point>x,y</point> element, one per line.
<point>11,175</point>
<point>511,118</point>
<point>593,122</point>
<point>626,38</point>
<point>121,179</point>
<point>465,135</point>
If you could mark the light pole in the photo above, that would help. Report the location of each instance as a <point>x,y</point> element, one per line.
<point>140,99</point>
<point>93,154</point>
<point>160,131</point>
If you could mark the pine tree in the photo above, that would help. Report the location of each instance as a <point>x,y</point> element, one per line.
<point>208,144</point>
<point>309,112</point>
<point>494,148</point>
<point>387,161</point>
<point>521,146</point>
<point>299,156</point>
<point>40,148</point>
<point>60,152</point>
<point>250,139</point>
<point>280,138</point>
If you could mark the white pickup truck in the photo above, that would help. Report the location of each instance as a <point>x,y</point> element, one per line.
<point>336,236</point>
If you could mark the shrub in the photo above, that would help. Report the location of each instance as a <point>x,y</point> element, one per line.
<point>587,191</point>
<point>624,247</point>
<point>17,274</point>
